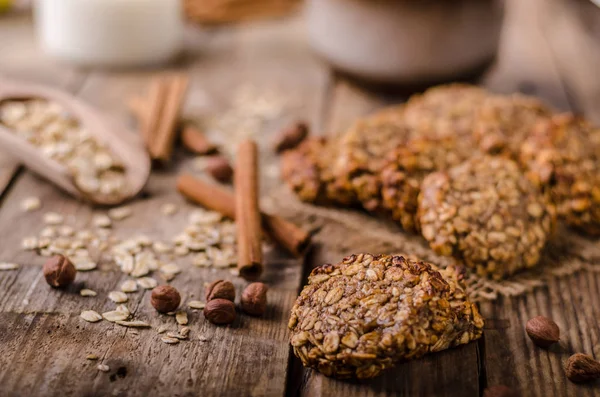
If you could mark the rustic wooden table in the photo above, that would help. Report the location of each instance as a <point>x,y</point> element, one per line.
<point>549,49</point>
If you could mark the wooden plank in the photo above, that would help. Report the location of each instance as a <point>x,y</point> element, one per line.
<point>44,342</point>
<point>572,29</point>
<point>530,64</point>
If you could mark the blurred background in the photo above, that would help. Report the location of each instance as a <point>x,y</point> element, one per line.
<point>548,48</point>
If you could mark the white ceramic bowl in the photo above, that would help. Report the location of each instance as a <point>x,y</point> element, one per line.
<point>120,33</point>
<point>404,41</point>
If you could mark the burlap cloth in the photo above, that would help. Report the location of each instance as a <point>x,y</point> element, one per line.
<point>340,232</point>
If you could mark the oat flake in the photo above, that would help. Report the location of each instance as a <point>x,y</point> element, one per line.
<point>90,316</point>
<point>117,296</point>
<point>196,305</point>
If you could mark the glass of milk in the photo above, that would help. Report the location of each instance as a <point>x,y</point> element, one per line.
<point>111,33</point>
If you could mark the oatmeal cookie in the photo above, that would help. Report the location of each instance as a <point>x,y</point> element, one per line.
<point>563,158</point>
<point>503,123</point>
<point>361,316</point>
<point>363,149</point>
<point>486,213</point>
<point>308,171</point>
<point>446,110</point>
<point>408,165</point>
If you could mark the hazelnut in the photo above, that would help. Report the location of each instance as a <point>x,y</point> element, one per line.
<point>582,368</point>
<point>254,299</point>
<point>499,391</point>
<point>220,289</point>
<point>165,298</point>
<point>219,168</point>
<point>542,331</point>
<point>59,271</point>
<point>219,311</point>
<point>290,137</point>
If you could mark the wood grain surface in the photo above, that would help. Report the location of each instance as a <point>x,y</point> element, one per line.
<point>545,51</point>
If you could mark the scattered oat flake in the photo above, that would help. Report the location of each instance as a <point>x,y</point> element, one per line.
<point>196,305</point>
<point>170,268</point>
<point>30,204</point>
<point>134,324</point>
<point>143,241</point>
<point>103,368</point>
<point>123,309</point>
<point>90,316</point>
<point>129,286</point>
<point>115,315</point>
<point>29,243</point>
<point>162,329</point>
<point>168,276</point>
<point>102,221</point>
<point>168,209</point>
<point>140,269</point>
<point>185,332</point>
<point>120,213</point>
<point>181,317</point>
<point>147,282</point>
<point>117,296</point>
<point>91,357</point>
<point>8,266</point>
<point>53,218</point>
<point>87,292</point>
<point>161,248</point>
<point>182,250</point>
<point>169,340</point>
<point>203,338</point>
<point>85,265</point>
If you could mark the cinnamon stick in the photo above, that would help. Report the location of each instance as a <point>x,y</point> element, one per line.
<point>250,256</point>
<point>154,109</point>
<point>163,140</point>
<point>214,197</point>
<point>195,141</point>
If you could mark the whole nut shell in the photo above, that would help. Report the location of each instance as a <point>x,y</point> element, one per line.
<point>59,271</point>
<point>220,311</point>
<point>582,368</point>
<point>290,137</point>
<point>219,168</point>
<point>165,298</point>
<point>254,299</point>
<point>220,289</point>
<point>542,331</point>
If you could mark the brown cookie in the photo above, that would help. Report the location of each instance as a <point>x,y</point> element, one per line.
<point>408,165</point>
<point>444,111</point>
<point>563,158</point>
<point>363,150</point>
<point>361,316</point>
<point>308,171</point>
<point>486,213</point>
<point>503,123</point>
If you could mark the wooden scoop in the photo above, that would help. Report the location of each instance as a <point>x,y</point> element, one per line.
<point>125,145</point>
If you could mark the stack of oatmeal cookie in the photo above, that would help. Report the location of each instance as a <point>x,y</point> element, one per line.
<point>480,176</point>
